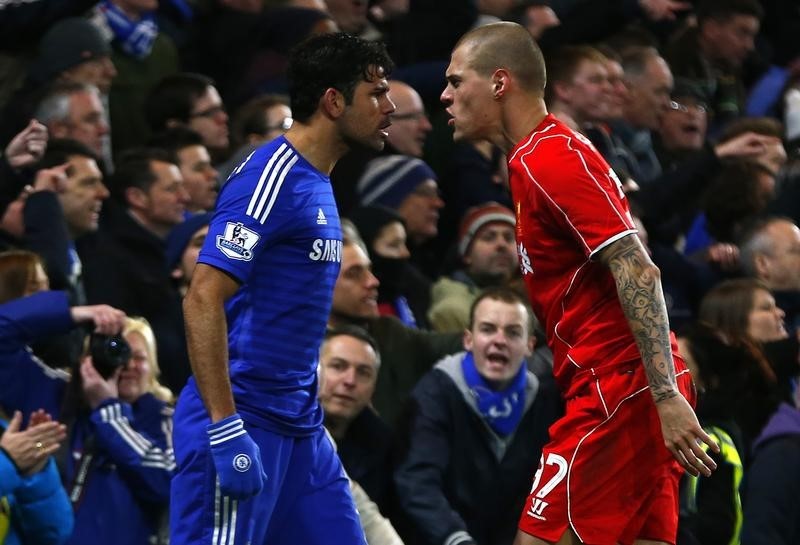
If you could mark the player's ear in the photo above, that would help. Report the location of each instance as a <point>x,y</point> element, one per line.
<point>332,103</point>
<point>500,82</point>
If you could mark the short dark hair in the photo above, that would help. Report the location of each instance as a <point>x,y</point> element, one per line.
<point>59,150</point>
<point>133,169</point>
<point>357,332</point>
<point>250,118</point>
<point>174,139</point>
<point>505,295</point>
<point>767,126</point>
<point>339,61</point>
<point>722,10</point>
<point>173,98</point>
<point>734,197</point>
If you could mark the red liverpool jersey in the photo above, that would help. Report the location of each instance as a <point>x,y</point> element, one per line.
<point>570,205</point>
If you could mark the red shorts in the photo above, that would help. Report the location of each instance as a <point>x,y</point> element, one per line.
<point>606,473</point>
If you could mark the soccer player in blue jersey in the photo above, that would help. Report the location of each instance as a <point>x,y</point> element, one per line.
<point>254,464</point>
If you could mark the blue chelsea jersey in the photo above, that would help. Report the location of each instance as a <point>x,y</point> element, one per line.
<point>276,230</point>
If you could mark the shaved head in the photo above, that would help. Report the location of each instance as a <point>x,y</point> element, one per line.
<point>508,46</point>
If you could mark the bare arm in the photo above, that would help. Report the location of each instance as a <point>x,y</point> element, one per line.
<point>207,338</point>
<point>639,289</point>
<point>638,283</point>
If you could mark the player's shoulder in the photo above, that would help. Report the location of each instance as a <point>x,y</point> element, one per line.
<point>559,150</point>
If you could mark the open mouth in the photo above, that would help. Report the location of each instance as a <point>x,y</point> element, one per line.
<point>690,129</point>
<point>497,359</point>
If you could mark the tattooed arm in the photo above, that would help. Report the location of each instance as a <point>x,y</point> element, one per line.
<point>638,283</point>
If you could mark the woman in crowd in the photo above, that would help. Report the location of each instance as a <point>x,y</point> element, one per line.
<point>118,459</point>
<point>738,393</point>
<point>402,292</point>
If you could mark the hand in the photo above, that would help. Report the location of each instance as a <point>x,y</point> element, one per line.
<point>30,449</point>
<point>107,320</point>
<point>746,145</point>
<point>51,179</point>
<point>540,18</point>
<point>96,389</point>
<point>28,146</point>
<point>683,435</point>
<point>236,457</point>
<point>725,255</point>
<point>663,10</point>
<point>386,10</point>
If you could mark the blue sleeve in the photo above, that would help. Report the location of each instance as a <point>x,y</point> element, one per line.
<point>248,219</point>
<point>27,384</point>
<point>42,511</point>
<point>28,318</point>
<point>46,234</point>
<point>766,92</point>
<point>9,478</point>
<point>145,460</point>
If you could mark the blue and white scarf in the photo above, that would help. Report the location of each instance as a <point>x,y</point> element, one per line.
<point>501,409</point>
<point>134,37</point>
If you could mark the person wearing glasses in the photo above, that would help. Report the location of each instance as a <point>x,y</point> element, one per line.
<point>410,123</point>
<point>190,100</point>
<point>256,122</point>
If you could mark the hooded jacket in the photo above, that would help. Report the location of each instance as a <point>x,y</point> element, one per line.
<point>459,481</point>
<point>771,509</point>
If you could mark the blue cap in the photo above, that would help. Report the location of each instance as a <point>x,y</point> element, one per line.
<point>389,180</point>
<point>180,236</point>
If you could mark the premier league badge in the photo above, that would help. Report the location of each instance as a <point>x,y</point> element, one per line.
<point>237,241</point>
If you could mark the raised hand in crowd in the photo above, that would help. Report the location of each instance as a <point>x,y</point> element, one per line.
<point>50,179</point>
<point>724,255</point>
<point>28,146</point>
<point>661,10</point>
<point>107,319</point>
<point>30,448</point>
<point>748,144</point>
<point>97,389</point>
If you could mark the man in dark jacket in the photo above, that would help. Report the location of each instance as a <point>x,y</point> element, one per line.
<point>406,353</point>
<point>348,368</point>
<point>125,263</point>
<point>476,427</point>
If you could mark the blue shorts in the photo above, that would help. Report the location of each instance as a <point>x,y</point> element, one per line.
<point>306,499</point>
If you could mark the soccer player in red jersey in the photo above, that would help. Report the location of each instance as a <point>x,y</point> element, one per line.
<point>610,472</point>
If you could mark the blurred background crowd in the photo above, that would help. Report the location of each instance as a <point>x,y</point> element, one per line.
<point>120,121</point>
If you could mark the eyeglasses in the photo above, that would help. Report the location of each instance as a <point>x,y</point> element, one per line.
<point>210,112</point>
<point>684,108</point>
<point>284,125</point>
<point>415,116</point>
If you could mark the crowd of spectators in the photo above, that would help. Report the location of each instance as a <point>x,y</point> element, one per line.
<point>120,121</point>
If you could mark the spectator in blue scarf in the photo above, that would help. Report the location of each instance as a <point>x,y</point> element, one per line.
<point>476,426</point>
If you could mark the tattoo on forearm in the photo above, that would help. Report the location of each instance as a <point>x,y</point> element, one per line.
<point>639,290</point>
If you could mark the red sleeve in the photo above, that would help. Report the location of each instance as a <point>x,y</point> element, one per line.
<point>579,187</point>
